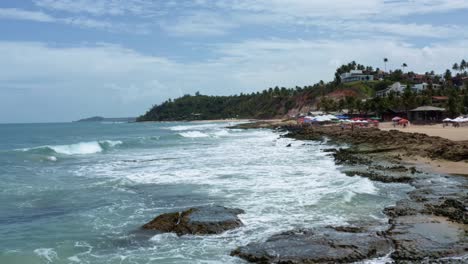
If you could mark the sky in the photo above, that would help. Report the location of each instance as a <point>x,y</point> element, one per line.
<point>61,60</point>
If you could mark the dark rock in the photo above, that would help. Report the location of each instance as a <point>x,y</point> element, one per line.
<point>344,156</point>
<point>451,208</point>
<point>324,245</point>
<point>202,220</point>
<point>427,238</point>
<point>329,150</point>
<point>374,176</point>
<point>289,145</point>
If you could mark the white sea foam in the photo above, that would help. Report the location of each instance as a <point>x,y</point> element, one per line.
<point>46,253</point>
<point>74,259</point>
<point>81,148</point>
<point>280,188</point>
<point>221,133</point>
<point>196,127</point>
<point>193,134</point>
<point>381,260</point>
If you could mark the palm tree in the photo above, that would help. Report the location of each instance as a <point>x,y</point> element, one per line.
<point>463,65</point>
<point>455,67</point>
<point>385,60</point>
<point>404,66</point>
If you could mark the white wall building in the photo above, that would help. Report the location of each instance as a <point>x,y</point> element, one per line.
<point>423,86</point>
<point>354,76</point>
<point>396,87</point>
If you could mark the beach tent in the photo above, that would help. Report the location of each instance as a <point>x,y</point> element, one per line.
<point>331,117</point>
<point>460,119</point>
<point>342,117</point>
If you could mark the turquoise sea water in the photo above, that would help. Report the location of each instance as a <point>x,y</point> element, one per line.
<point>78,192</point>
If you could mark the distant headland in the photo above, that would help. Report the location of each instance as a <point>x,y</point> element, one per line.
<point>105,119</point>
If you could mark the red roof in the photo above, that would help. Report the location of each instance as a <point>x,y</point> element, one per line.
<point>440,98</point>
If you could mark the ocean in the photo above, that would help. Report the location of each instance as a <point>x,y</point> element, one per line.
<point>79,192</point>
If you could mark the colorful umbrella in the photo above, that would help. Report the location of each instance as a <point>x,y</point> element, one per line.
<point>403,121</point>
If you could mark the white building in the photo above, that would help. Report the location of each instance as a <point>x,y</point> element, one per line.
<point>354,76</point>
<point>396,87</point>
<point>423,86</point>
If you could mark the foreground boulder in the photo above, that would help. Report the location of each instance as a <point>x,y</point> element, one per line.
<point>202,220</point>
<point>325,245</point>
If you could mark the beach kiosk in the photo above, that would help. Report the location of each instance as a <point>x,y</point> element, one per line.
<point>426,114</point>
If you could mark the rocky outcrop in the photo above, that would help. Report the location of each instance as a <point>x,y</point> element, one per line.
<point>427,239</point>
<point>406,143</point>
<point>427,226</point>
<point>202,220</point>
<point>325,245</point>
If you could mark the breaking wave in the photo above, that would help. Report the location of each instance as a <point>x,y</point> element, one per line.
<point>81,148</point>
<point>193,134</point>
<point>195,127</point>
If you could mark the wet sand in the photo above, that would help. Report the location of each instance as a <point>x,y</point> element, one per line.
<point>441,166</point>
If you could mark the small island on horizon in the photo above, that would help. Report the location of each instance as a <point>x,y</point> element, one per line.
<point>105,119</point>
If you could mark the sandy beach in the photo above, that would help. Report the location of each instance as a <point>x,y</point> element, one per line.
<point>438,166</point>
<point>452,133</point>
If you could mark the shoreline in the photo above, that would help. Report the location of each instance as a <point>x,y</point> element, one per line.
<point>416,133</point>
<point>429,225</point>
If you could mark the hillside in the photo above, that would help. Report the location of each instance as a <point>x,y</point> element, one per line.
<point>356,96</point>
<point>272,103</point>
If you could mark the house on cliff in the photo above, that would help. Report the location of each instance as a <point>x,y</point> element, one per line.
<point>355,75</point>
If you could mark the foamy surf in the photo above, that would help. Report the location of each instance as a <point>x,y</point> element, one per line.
<point>81,148</point>
<point>153,170</point>
<point>193,134</point>
<point>48,254</point>
<point>195,127</point>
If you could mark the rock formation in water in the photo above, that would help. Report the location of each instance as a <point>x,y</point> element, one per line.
<point>324,245</point>
<point>203,220</point>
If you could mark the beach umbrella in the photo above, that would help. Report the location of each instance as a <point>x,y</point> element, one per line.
<point>447,120</point>
<point>396,118</point>
<point>403,121</point>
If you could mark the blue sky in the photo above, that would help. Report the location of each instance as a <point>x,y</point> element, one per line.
<point>61,60</point>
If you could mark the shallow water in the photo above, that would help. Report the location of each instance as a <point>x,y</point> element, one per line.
<point>78,192</point>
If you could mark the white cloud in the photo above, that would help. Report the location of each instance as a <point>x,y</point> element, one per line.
<point>104,7</point>
<point>83,22</point>
<point>114,81</point>
<point>199,24</point>
<point>189,18</point>
<point>412,30</point>
<point>343,8</point>
<point>20,14</point>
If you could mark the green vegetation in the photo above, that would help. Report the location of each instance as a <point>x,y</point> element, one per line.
<point>267,104</point>
<point>357,97</point>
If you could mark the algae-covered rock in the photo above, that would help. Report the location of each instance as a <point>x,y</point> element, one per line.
<point>202,220</point>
